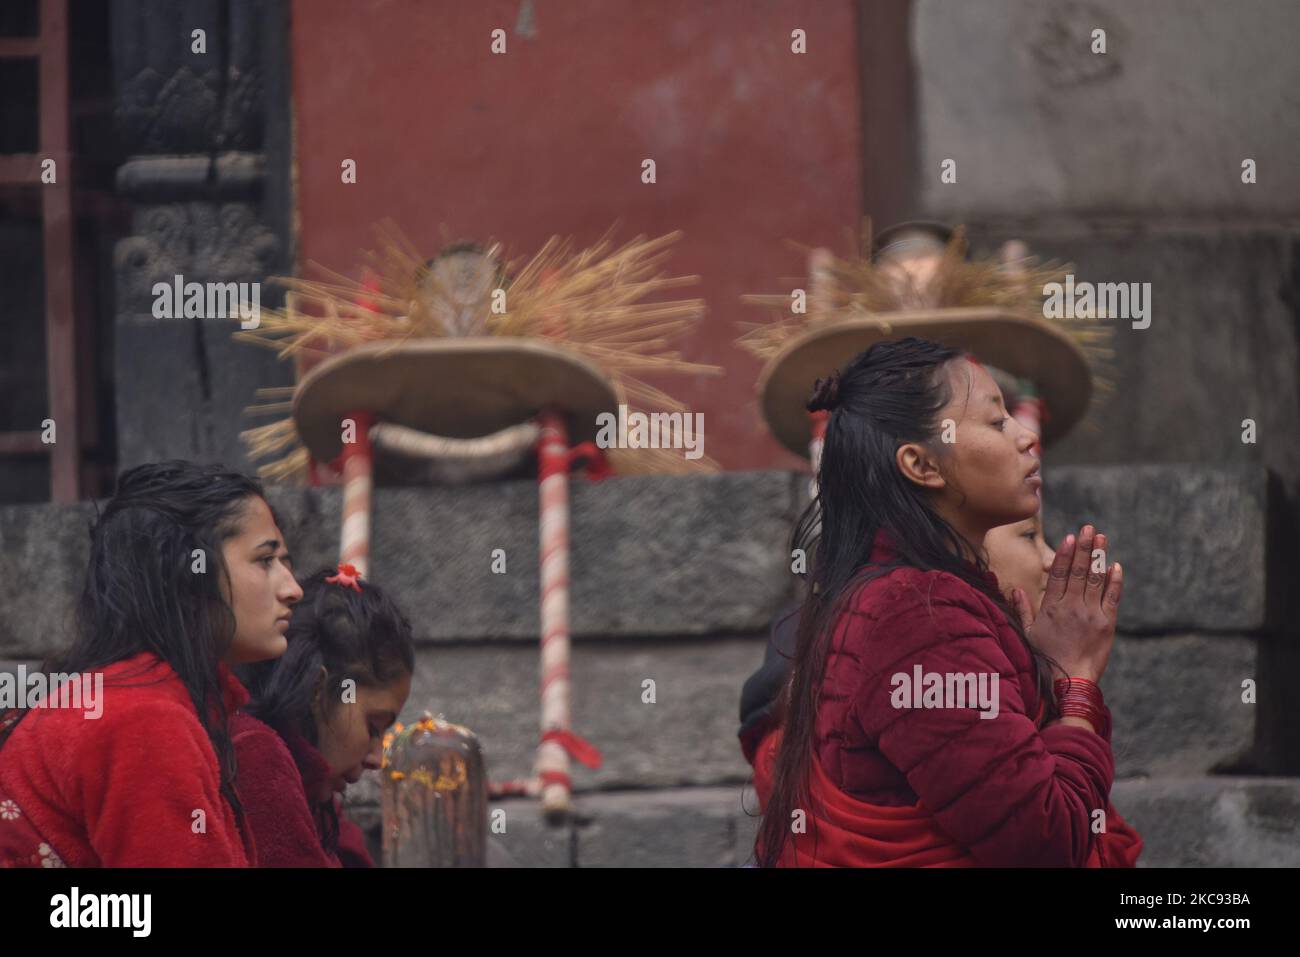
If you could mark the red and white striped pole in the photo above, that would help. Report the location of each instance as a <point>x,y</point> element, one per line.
<point>553,494</point>
<point>558,743</point>
<point>358,482</point>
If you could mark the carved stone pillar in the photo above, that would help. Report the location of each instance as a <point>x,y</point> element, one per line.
<point>207,133</point>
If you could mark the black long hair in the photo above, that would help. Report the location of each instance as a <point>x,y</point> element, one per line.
<point>890,394</point>
<point>362,636</point>
<point>140,593</point>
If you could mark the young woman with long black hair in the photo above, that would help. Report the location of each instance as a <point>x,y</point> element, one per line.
<point>317,719</point>
<point>188,577</point>
<point>894,751</point>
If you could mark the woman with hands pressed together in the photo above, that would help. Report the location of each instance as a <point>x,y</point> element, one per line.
<point>921,460</point>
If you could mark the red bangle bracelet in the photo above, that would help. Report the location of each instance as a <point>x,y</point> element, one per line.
<point>1081,698</point>
<point>1082,684</point>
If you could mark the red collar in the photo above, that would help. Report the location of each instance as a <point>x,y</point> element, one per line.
<point>884,551</point>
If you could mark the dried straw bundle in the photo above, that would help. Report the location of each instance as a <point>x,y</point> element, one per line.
<point>590,302</point>
<point>856,287</point>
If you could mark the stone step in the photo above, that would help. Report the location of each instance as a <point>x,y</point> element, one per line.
<point>1214,821</point>
<point>1184,822</point>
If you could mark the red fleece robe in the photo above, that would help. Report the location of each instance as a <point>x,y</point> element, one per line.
<point>122,790</point>
<point>1008,792</point>
<point>275,776</point>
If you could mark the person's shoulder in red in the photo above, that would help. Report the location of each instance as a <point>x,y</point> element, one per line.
<point>887,621</point>
<point>131,780</point>
<point>274,779</point>
<point>939,602</point>
<point>902,611</point>
<point>274,797</point>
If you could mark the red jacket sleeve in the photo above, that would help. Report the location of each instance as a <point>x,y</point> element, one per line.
<point>150,768</point>
<point>1012,795</point>
<point>275,804</point>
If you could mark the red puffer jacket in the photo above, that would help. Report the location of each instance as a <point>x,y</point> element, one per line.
<point>1012,794</point>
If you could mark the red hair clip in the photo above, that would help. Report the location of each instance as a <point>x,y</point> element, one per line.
<point>347,576</point>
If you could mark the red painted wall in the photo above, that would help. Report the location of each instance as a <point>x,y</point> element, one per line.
<point>754,145</point>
